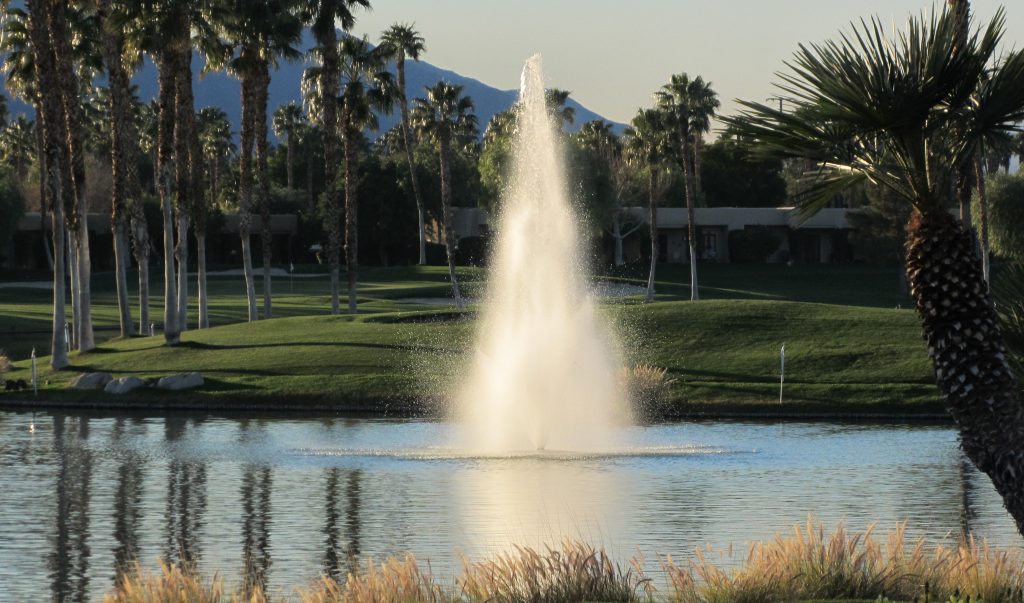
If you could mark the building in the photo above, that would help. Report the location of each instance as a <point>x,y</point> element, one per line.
<point>26,249</point>
<point>821,239</point>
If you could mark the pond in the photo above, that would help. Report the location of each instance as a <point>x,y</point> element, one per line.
<point>283,499</point>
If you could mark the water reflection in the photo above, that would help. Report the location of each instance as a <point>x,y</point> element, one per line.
<point>69,557</point>
<point>342,556</point>
<point>127,505</point>
<point>85,495</point>
<point>186,500</point>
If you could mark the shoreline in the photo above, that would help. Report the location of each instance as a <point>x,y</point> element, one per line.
<point>431,410</point>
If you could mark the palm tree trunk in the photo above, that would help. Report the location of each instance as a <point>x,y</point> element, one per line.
<point>967,349</point>
<point>245,194</point>
<point>351,214</point>
<point>120,98</point>
<point>652,219</point>
<point>51,123</point>
<point>72,271</point>
<point>979,170</point>
<point>204,313</point>
<point>330,76</point>
<point>69,88</point>
<point>165,135</point>
<point>407,143</point>
<point>43,178</point>
<point>688,187</point>
<point>617,236</point>
<point>289,158</point>
<point>449,227</point>
<point>187,188</point>
<point>263,183</point>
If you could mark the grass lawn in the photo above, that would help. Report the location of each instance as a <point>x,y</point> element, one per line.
<point>851,351</point>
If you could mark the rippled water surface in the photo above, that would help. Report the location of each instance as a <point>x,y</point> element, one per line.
<point>282,500</point>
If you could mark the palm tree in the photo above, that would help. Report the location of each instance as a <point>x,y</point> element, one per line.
<point>366,87</point>
<point>402,41</point>
<point>288,119</point>
<point>556,100</point>
<point>261,32</point>
<point>216,148</point>
<point>21,83</point>
<point>37,25</point>
<point>689,105</point>
<point>647,142</point>
<point>870,108</point>
<point>323,82</point>
<point>121,156</point>
<point>19,145</point>
<point>445,117</point>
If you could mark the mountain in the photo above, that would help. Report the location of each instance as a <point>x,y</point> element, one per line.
<point>221,90</point>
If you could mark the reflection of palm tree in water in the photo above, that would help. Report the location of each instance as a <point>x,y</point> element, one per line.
<point>257,484</point>
<point>127,508</point>
<point>69,560</point>
<point>353,527</point>
<point>967,511</point>
<point>186,501</point>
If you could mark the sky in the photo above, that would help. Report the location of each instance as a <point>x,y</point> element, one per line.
<point>612,56</point>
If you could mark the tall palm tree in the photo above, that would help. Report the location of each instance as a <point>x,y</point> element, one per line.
<point>216,148</point>
<point>325,83</point>
<point>445,117</point>
<point>122,160</point>
<point>870,108</point>
<point>68,42</point>
<point>689,105</point>
<point>54,151</point>
<point>402,41</point>
<point>288,119</point>
<point>647,143</point>
<point>366,87</point>
<point>261,33</point>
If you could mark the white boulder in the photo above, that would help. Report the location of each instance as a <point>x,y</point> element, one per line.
<point>123,385</point>
<point>179,382</point>
<point>90,381</point>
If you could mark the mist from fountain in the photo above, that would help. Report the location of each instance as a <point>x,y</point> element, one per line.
<point>545,374</point>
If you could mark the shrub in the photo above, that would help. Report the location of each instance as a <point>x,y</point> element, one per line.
<point>752,245</point>
<point>1005,214</point>
<point>172,584</point>
<point>5,362</point>
<point>649,388</point>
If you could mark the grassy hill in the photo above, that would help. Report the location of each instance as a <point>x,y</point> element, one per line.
<point>723,353</point>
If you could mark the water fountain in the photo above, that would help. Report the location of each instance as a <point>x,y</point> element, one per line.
<point>545,371</point>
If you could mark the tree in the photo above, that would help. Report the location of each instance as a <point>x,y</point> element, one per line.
<point>647,142</point>
<point>445,116</point>
<point>556,100</point>
<point>55,152</point>
<point>402,41</point>
<point>18,142</point>
<point>366,87</point>
<point>1006,214</point>
<point>12,205</point>
<point>321,84</point>
<point>122,157</point>
<point>288,119</point>
<point>733,177</point>
<point>260,32</point>
<point>689,105</point>
<point>870,108</point>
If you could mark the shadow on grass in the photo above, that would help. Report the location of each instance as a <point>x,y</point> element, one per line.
<point>195,345</point>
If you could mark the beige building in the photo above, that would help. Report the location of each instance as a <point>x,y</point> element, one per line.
<point>822,239</point>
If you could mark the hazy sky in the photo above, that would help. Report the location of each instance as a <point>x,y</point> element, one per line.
<point>613,55</point>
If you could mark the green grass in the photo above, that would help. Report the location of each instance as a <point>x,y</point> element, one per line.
<point>723,353</point>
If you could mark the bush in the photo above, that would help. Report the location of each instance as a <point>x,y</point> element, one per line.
<point>12,206</point>
<point>1005,214</point>
<point>752,245</point>
<point>5,362</point>
<point>649,388</point>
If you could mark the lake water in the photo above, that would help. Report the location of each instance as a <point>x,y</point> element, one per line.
<point>281,500</point>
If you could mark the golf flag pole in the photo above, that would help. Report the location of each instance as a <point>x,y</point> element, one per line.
<point>782,370</point>
<point>35,383</point>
